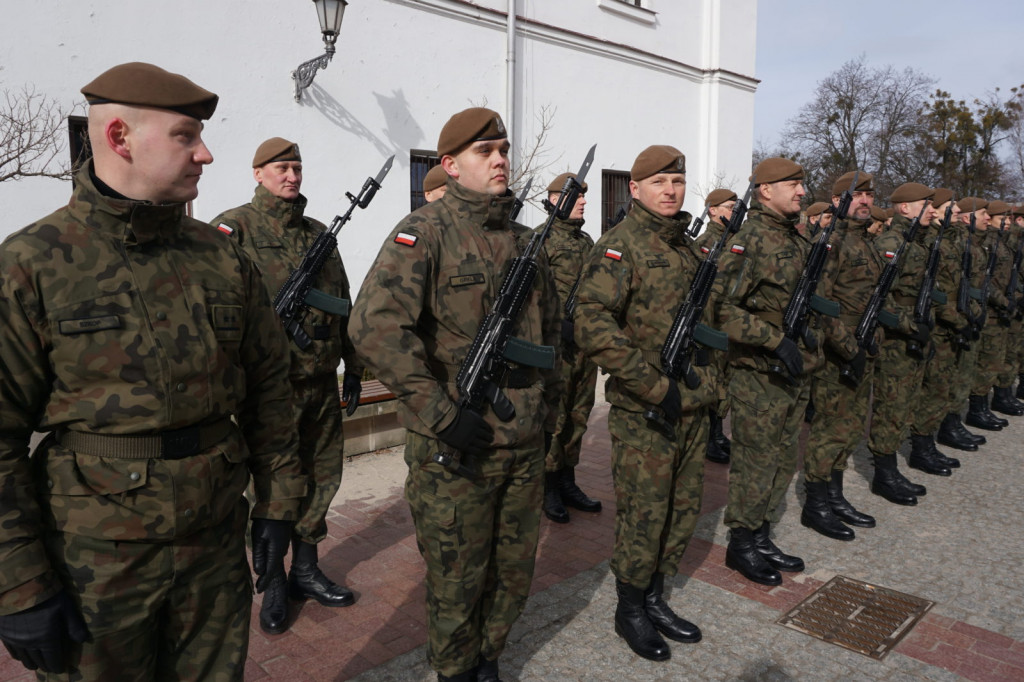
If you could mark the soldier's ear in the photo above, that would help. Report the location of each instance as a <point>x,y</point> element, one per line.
<point>257,174</point>
<point>115,135</point>
<point>450,165</point>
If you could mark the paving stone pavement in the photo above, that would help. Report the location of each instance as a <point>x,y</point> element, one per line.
<point>961,547</point>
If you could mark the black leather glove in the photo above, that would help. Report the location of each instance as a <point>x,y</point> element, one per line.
<point>857,364</point>
<point>922,334</point>
<point>41,637</point>
<point>672,404</point>
<point>548,440</point>
<point>568,331</point>
<point>788,352</point>
<point>270,539</point>
<point>469,432</point>
<point>351,389</point>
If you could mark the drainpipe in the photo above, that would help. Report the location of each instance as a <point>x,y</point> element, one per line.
<point>510,75</point>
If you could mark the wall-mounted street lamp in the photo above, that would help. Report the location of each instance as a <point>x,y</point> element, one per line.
<point>330,13</point>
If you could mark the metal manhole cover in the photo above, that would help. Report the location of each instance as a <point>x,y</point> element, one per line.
<point>858,616</point>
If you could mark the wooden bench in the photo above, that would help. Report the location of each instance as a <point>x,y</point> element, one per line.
<point>374,425</point>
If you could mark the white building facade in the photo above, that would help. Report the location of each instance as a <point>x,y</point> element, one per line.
<point>624,74</point>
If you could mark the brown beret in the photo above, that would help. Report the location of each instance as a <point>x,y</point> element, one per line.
<point>1018,210</point>
<point>719,197</point>
<point>658,158</point>
<point>434,178</point>
<point>468,126</point>
<point>275,149</point>
<point>942,195</point>
<point>878,213</point>
<point>145,85</point>
<point>817,208</point>
<point>865,183</point>
<point>558,183</point>
<point>971,204</point>
<point>777,169</point>
<point>998,207</point>
<point>910,191</point>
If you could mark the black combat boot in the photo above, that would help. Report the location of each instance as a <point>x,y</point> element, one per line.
<point>663,618</point>
<point>572,495</point>
<point>487,671</point>
<point>741,555</point>
<point>921,457</point>
<point>634,625</point>
<point>978,414</point>
<point>719,448</point>
<point>1020,386</point>
<point>274,611</point>
<point>772,554</point>
<point>818,516</point>
<point>467,676</point>
<point>976,437</point>
<point>940,457</point>
<point>950,435</point>
<point>1003,401</point>
<point>888,483</point>
<point>307,581</point>
<point>841,507</point>
<point>553,507</point>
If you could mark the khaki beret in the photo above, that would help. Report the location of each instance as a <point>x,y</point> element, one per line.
<point>817,208</point>
<point>942,195</point>
<point>658,158</point>
<point>971,204</point>
<point>275,149</point>
<point>1018,210</point>
<point>865,183</point>
<point>146,85</point>
<point>558,183</point>
<point>910,191</point>
<point>468,126</point>
<point>777,169</point>
<point>435,177</point>
<point>998,207</point>
<point>878,213</point>
<point>719,197</point>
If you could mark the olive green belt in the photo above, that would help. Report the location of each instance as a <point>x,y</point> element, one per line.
<point>905,300</point>
<point>174,444</point>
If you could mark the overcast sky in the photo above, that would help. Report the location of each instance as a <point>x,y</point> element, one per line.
<point>971,47</point>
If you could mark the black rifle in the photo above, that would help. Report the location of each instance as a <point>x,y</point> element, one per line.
<point>485,367</point>
<point>687,331</point>
<point>865,332</point>
<point>986,284</point>
<point>517,205</point>
<point>803,300</point>
<point>292,300</point>
<point>925,294</point>
<point>1013,284</point>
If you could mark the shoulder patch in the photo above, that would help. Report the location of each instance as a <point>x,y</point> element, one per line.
<point>225,228</point>
<point>737,248</point>
<point>406,239</point>
<point>890,254</point>
<point>829,245</point>
<point>705,249</point>
<point>613,254</point>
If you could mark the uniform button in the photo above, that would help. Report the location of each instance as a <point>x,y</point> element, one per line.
<point>189,513</point>
<point>161,316</point>
<point>134,476</point>
<point>181,388</point>
<point>49,483</point>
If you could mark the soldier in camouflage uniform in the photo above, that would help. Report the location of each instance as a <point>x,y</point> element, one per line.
<point>720,203</point>
<point>999,332</point>
<point>143,344</point>
<point>633,284</point>
<point>273,230</point>
<point>415,320</point>
<point>566,248</point>
<point>1016,347</point>
<point>819,216</point>
<point>770,374</point>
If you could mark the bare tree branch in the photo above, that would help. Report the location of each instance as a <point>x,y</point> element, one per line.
<point>33,136</point>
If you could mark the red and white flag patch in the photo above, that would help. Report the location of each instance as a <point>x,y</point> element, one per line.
<point>828,246</point>
<point>890,254</point>
<point>737,248</point>
<point>406,239</point>
<point>705,249</point>
<point>226,229</point>
<point>613,254</point>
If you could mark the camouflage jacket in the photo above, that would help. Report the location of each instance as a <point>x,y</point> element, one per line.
<point>712,233</point>
<point>757,274</point>
<point>426,294</point>
<point>567,247</point>
<point>634,281</point>
<point>947,279</point>
<point>994,239</point>
<point>121,317</point>
<point>903,293</point>
<point>276,235</point>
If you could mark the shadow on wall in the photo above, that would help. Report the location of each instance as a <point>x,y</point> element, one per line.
<point>401,132</point>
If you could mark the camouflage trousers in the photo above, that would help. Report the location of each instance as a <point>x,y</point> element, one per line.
<point>159,610</point>
<point>317,408</point>
<point>840,421</point>
<point>934,399</point>
<point>991,356</point>
<point>1011,362</point>
<point>574,406</point>
<point>960,387</point>
<point>767,416</point>
<point>898,378</point>
<point>479,541</point>
<point>658,487</point>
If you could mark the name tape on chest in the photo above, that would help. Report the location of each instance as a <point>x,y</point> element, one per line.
<point>613,254</point>
<point>226,229</point>
<point>406,239</point>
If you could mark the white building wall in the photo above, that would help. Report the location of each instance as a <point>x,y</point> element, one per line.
<point>611,74</point>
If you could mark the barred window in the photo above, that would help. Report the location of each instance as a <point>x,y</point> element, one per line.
<point>420,161</point>
<point>614,197</point>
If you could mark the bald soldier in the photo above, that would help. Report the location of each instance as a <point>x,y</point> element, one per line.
<point>635,280</point>
<point>418,312</point>
<point>435,183</point>
<point>144,345</point>
<point>274,231</point>
<point>567,247</point>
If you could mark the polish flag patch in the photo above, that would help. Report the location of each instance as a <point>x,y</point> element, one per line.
<point>737,248</point>
<point>705,249</point>
<point>890,254</point>
<point>226,229</point>
<point>406,239</point>
<point>828,246</point>
<point>613,254</point>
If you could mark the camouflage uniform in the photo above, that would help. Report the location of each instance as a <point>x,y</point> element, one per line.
<point>276,235</point>
<point>567,247</point>
<point>968,360</point>
<point>418,312</point>
<point>634,282</point>
<point>122,318</point>
<point>1011,361</point>
<point>705,241</point>
<point>755,282</point>
<point>992,347</point>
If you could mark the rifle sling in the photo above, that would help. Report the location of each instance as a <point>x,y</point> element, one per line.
<point>327,303</point>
